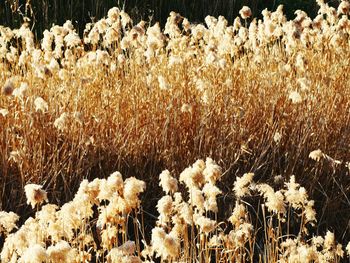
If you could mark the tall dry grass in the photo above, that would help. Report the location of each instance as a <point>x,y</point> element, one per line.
<point>255,97</point>
<point>105,223</point>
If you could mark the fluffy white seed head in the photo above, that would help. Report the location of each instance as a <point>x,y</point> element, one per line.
<point>40,104</point>
<point>295,97</point>
<point>212,171</point>
<point>60,252</point>
<point>245,12</point>
<point>165,208</point>
<point>8,221</point>
<point>206,225</point>
<point>35,253</point>
<point>165,245</point>
<point>241,185</point>
<point>316,155</point>
<point>167,182</point>
<point>132,188</point>
<point>35,194</point>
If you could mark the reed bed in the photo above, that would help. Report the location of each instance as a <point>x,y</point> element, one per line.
<point>265,98</point>
<point>105,214</point>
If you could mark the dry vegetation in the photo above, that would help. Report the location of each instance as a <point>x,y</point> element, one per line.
<point>270,97</point>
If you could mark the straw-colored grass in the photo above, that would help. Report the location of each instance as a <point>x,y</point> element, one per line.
<point>261,97</point>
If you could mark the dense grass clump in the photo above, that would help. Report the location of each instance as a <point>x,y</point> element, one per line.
<point>105,223</point>
<point>269,98</point>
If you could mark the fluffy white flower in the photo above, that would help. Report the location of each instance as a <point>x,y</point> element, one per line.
<point>34,254</point>
<point>245,12</point>
<point>8,221</point>
<point>295,97</point>
<point>35,194</point>
<point>21,91</point>
<point>60,122</point>
<point>241,184</point>
<point>165,207</point>
<point>206,225</point>
<point>316,155</point>
<point>167,182</point>
<point>40,104</point>
<point>132,188</point>
<point>163,84</point>
<point>212,171</point>
<point>165,245</point>
<point>61,252</point>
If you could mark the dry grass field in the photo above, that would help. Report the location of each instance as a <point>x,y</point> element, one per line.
<point>231,141</point>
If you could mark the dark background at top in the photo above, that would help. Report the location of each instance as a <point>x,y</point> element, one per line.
<point>45,13</point>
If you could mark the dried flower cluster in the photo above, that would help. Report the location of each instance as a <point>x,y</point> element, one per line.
<point>65,234</point>
<point>187,228</point>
